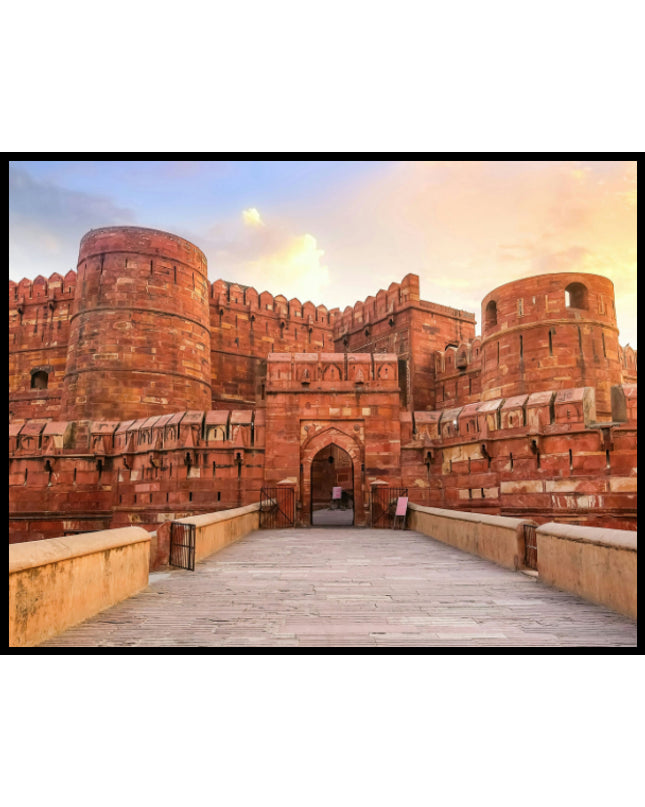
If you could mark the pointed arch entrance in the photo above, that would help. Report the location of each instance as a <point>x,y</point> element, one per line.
<point>332,488</point>
<point>348,452</point>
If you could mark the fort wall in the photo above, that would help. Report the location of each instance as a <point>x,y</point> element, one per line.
<point>39,324</point>
<point>550,331</point>
<point>247,326</point>
<point>139,393</point>
<point>540,456</point>
<point>139,339</point>
<point>398,321</point>
<point>318,400</point>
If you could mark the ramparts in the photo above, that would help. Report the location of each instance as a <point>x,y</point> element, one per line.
<point>542,456</point>
<point>139,393</point>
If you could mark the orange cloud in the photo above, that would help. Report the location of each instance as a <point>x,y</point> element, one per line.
<point>466,227</point>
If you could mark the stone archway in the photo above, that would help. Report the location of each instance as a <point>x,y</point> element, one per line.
<point>308,453</point>
<point>332,470</point>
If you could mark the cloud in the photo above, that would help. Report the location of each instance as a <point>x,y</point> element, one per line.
<point>268,255</point>
<point>47,222</point>
<point>296,269</point>
<point>252,217</point>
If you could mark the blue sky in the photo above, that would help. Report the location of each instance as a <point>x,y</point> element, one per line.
<point>337,231</point>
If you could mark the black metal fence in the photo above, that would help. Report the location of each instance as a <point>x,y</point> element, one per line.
<point>277,508</point>
<point>383,503</point>
<point>530,547</point>
<point>182,545</point>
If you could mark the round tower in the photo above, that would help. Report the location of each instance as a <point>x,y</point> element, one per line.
<point>552,331</point>
<point>139,331</point>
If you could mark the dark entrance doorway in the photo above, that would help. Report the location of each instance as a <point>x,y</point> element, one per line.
<point>332,488</point>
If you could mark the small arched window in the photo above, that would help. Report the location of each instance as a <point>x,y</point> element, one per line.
<point>575,295</point>
<point>39,380</point>
<point>491,314</point>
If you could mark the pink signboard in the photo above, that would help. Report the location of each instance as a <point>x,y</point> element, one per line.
<point>401,505</point>
<point>336,493</point>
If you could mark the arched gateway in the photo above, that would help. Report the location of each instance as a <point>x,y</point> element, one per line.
<point>332,488</point>
<point>331,459</point>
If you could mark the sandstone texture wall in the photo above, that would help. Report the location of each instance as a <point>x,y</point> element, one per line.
<point>556,330</point>
<point>141,393</point>
<point>139,341</point>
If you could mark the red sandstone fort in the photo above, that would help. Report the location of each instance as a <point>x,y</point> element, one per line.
<point>140,392</point>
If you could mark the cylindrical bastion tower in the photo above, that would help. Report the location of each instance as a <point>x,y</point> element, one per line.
<point>552,331</point>
<point>140,329</point>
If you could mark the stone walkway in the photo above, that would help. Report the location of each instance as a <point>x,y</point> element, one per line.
<point>348,588</point>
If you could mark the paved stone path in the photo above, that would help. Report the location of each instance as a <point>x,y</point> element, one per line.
<point>348,588</point>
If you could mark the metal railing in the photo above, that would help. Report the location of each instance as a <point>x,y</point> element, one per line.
<point>182,545</point>
<point>383,507</point>
<point>277,508</point>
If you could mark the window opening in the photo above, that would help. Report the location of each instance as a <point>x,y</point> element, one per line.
<point>575,295</point>
<point>491,314</point>
<point>39,380</point>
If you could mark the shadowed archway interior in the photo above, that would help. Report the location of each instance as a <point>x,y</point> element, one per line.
<point>331,468</point>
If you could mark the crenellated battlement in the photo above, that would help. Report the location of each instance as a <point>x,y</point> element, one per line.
<point>238,297</point>
<point>374,308</point>
<point>42,289</point>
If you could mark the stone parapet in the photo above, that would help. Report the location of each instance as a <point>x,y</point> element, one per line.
<point>492,537</point>
<point>214,531</point>
<point>59,582</point>
<point>597,564</point>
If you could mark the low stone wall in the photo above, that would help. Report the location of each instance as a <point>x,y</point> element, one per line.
<point>597,564</point>
<point>495,538</point>
<point>58,582</point>
<point>214,531</point>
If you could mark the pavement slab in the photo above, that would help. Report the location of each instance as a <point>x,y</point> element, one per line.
<point>346,587</point>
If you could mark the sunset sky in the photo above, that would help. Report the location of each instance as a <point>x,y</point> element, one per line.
<point>334,232</point>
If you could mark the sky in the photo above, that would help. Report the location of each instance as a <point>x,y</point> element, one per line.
<point>334,232</point>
